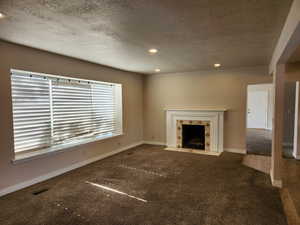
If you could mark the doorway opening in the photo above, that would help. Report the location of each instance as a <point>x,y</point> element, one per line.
<point>259,119</point>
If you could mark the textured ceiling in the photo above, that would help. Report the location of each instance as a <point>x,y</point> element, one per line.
<point>190,34</point>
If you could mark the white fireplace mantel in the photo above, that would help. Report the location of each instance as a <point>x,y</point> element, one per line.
<point>214,115</point>
<point>207,109</point>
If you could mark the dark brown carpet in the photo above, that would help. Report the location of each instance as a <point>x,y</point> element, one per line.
<point>291,174</point>
<point>259,142</point>
<point>170,188</point>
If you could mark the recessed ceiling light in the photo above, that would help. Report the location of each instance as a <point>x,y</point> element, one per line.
<point>153,50</point>
<point>1,15</point>
<point>157,70</point>
<point>217,65</point>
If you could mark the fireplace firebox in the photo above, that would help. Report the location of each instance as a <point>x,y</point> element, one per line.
<point>193,136</point>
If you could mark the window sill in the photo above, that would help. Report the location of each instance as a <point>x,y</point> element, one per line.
<point>24,157</point>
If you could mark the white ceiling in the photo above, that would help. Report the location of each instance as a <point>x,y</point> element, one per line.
<point>189,34</point>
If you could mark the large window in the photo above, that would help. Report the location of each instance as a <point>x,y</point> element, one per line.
<point>54,111</point>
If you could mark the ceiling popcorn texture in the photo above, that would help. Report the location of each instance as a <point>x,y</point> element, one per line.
<point>189,35</point>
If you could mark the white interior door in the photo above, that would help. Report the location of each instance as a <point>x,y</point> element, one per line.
<point>257,115</point>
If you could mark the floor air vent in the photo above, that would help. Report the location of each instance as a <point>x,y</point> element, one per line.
<point>40,191</point>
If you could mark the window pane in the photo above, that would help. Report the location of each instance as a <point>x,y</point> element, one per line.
<point>72,110</point>
<point>31,112</point>
<point>51,110</point>
<point>104,110</point>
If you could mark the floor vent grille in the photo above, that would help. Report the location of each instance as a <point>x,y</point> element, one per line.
<point>40,191</point>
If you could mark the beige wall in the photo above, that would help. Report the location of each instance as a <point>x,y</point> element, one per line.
<point>292,72</point>
<point>289,38</point>
<point>224,89</point>
<point>19,57</point>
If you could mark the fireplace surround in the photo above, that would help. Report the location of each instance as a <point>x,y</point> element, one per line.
<point>203,126</point>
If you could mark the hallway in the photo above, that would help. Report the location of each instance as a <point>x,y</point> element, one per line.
<point>259,142</point>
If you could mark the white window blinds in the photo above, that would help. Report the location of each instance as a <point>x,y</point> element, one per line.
<point>52,110</point>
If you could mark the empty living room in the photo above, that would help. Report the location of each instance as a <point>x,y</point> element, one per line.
<point>150,112</point>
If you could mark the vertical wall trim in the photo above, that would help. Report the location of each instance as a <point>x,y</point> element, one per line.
<point>296,149</point>
<point>278,117</point>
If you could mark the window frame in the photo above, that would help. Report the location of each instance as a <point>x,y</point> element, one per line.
<point>42,152</point>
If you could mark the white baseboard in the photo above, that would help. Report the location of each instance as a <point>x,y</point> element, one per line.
<point>275,183</point>
<point>64,170</point>
<point>236,150</point>
<point>154,143</point>
<point>296,156</point>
